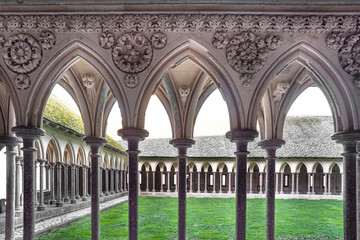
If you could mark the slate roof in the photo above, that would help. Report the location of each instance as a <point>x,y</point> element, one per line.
<point>305,137</point>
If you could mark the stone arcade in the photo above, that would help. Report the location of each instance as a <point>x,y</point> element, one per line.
<point>260,56</point>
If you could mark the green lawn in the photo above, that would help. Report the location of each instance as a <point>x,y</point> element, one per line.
<point>209,218</point>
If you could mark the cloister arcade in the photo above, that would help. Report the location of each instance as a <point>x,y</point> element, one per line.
<point>260,57</point>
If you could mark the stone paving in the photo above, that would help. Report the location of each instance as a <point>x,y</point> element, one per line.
<point>46,225</point>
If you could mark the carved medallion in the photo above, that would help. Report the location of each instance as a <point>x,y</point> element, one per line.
<point>280,90</point>
<point>22,53</point>
<point>22,82</point>
<point>158,40</point>
<point>47,40</point>
<point>349,55</point>
<point>132,53</point>
<point>88,80</point>
<point>220,40</point>
<point>335,40</point>
<point>107,40</point>
<point>131,80</point>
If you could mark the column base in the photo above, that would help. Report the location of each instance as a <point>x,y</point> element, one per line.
<point>308,193</point>
<point>250,192</point>
<point>213,192</point>
<point>73,201</point>
<point>205,191</point>
<point>84,199</point>
<point>281,192</point>
<point>101,194</point>
<point>261,192</point>
<point>276,192</point>
<point>153,190</point>
<point>59,204</point>
<point>52,202</point>
<point>66,199</point>
<point>292,193</point>
<point>41,207</point>
<point>112,192</point>
<point>77,197</point>
<point>329,193</point>
<point>312,193</point>
<point>198,191</point>
<point>229,192</point>
<point>297,193</point>
<point>117,191</point>
<point>107,194</point>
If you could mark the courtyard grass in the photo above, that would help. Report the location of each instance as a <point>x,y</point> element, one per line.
<point>214,218</point>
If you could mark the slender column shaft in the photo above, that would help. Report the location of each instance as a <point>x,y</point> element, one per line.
<point>276,183</point>
<point>220,181</point>
<point>325,183</point>
<point>116,180</point>
<point>125,180</point>
<point>73,185</point>
<point>297,183</point>
<point>198,181</point>
<point>229,182</point>
<point>292,183</point>
<point>107,182</point>
<point>18,182</point>
<point>161,181</point>
<point>112,181</point>
<point>182,145</point>
<point>309,183</point>
<point>29,134</point>
<point>190,190</point>
<point>84,198</point>
<point>147,181</point>
<point>121,180</point>
<point>214,182</point>
<point>251,180</point>
<point>77,182</point>
<point>59,202</point>
<point>176,182</point>
<point>261,183</point>
<point>329,192</point>
<point>10,143</point>
<point>41,206</point>
<point>270,146</point>
<point>153,178</point>
<point>241,138</point>
<point>95,143</point>
<point>66,183</point>
<point>35,183</point>
<point>168,185</point>
<point>101,182</point>
<point>205,190</point>
<point>282,183</point>
<point>313,183</point>
<point>52,182</point>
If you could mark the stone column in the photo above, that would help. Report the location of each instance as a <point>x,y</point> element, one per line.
<point>66,182</point>
<point>270,145</point>
<point>351,183</point>
<point>261,183</point>
<point>11,144</point>
<point>205,190</point>
<point>101,182</point>
<point>297,183</point>
<point>214,181</point>
<point>73,184</point>
<point>84,197</point>
<point>220,181</point>
<point>121,180</point>
<point>241,138</point>
<point>282,183</point>
<point>112,181</point>
<point>329,191</point>
<point>41,206</point>
<point>125,180</point>
<point>116,180</point>
<point>313,185</point>
<point>77,182</point>
<point>52,181</point>
<point>29,135</point>
<point>140,179</point>
<point>277,183</point>
<point>229,191</point>
<point>309,183</point>
<point>95,143</point>
<point>18,182</point>
<point>153,181</point>
<point>59,202</point>
<point>168,185</point>
<point>250,184</point>
<point>190,189</point>
<point>292,183</point>
<point>147,181</point>
<point>198,174</point>
<point>176,182</point>
<point>107,193</point>
<point>325,184</point>
<point>35,183</point>
<point>182,144</point>
<point>133,136</point>
<point>161,181</point>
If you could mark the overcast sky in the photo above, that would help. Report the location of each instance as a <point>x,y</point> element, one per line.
<point>213,118</point>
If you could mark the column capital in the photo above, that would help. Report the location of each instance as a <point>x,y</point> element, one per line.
<point>95,141</point>
<point>347,137</point>
<point>133,133</point>
<point>182,144</point>
<point>28,132</point>
<point>59,163</point>
<point>73,165</point>
<point>242,135</point>
<point>52,164</point>
<point>41,161</point>
<point>10,140</point>
<point>271,143</point>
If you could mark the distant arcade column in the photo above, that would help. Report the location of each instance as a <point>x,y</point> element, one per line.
<point>73,185</point>
<point>241,138</point>
<point>29,135</point>
<point>270,145</point>
<point>182,144</point>
<point>133,136</point>
<point>59,202</point>
<point>351,183</point>
<point>52,181</point>
<point>41,206</point>
<point>95,143</point>
<point>18,182</point>
<point>66,182</point>
<point>11,143</point>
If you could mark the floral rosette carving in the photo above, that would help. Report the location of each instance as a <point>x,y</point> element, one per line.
<point>22,53</point>
<point>107,40</point>
<point>22,82</point>
<point>158,40</point>
<point>131,80</point>
<point>47,40</point>
<point>349,55</point>
<point>220,40</point>
<point>246,53</point>
<point>132,53</point>
<point>335,40</point>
